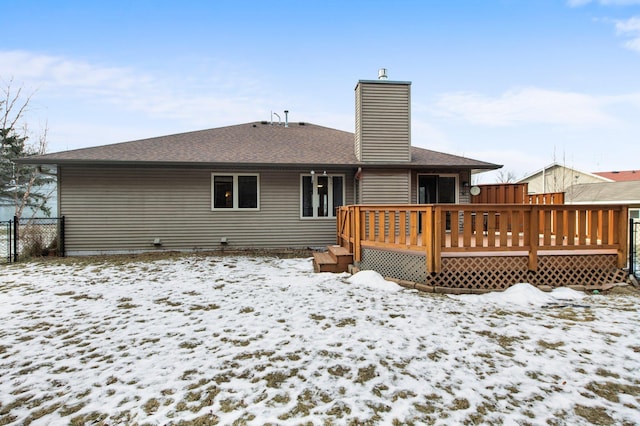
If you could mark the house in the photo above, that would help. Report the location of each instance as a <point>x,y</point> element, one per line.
<point>8,208</point>
<point>616,187</point>
<point>620,176</point>
<point>624,192</point>
<point>252,185</point>
<point>558,178</point>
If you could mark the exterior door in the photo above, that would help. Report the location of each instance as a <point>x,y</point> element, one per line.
<point>437,189</point>
<point>434,189</point>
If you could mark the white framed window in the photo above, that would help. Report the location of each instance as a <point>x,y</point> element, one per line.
<point>235,191</point>
<point>321,195</point>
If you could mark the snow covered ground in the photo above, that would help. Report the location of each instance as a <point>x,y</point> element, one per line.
<point>242,340</point>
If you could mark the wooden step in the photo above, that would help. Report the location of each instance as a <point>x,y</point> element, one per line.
<point>336,259</point>
<point>342,256</point>
<point>324,262</point>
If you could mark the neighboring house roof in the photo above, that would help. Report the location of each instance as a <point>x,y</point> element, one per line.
<point>620,176</point>
<point>560,166</point>
<point>604,193</point>
<point>250,144</point>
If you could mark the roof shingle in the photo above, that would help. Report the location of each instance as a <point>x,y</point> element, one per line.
<point>257,143</point>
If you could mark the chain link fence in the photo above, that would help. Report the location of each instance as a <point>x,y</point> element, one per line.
<point>6,241</point>
<point>26,238</point>
<point>634,245</point>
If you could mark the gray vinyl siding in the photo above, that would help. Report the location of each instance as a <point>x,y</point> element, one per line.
<point>121,210</point>
<point>383,122</point>
<point>385,187</point>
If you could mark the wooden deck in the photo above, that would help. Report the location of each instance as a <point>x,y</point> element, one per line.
<point>447,231</point>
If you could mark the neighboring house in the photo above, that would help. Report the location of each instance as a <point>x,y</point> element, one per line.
<point>253,185</point>
<point>8,208</point>
<point>588,188</point>
<point>558,178</point>
<point>626,192</point>
<point>620,176</point>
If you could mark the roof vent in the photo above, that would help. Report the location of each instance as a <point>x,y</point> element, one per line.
<point>382,74</point>
<point>302,123</point>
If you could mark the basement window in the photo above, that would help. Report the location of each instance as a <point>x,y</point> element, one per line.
<point>235,192</point>
<point>321,195</point>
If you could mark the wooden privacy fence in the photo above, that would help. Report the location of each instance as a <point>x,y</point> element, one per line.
<point>514,193</point>
<point>441,230</point>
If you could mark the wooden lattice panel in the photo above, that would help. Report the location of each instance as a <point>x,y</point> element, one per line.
<point>395,264</point>
<point>496,272</point>
<point>588,270</point>
<point>480,273</point>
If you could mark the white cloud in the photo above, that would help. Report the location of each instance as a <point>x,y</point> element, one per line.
<point>47,70</point>
<point>578,3</point>
<point>526,106</point>
<point>630,28</point>
<point>154,93</point>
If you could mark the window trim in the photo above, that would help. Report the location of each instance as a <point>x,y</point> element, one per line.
<point>314,201</point>
<point>236,194</point>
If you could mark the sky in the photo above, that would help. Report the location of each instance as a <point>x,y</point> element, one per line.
<point>518,83</point>
<point>268,341</point>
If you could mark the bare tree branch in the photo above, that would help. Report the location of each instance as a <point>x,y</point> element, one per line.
<point>505,176</point>
<point>20,184</point>
<point>10,102</point>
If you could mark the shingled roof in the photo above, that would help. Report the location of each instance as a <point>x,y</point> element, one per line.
<point>626,192</point>
<point>251,144</point>
<point>620,176</point>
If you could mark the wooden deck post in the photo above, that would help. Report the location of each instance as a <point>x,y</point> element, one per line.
<point>428,238</point>
<point>437,240</point>
<point>358,229</point>
<point>623,223</point>
<point>534,237</point>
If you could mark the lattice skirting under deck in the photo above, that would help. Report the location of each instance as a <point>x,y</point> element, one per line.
<point>496,272</point>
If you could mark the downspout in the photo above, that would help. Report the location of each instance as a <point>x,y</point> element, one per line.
<point>357,178</point>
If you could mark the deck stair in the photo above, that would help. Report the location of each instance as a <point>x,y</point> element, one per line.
<point>336,259</point>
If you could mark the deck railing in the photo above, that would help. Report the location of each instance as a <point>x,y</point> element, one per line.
<point>441,230</point>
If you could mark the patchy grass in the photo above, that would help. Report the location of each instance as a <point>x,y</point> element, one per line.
<point>594,415</point>
<point>209,307</point>
<point>187,340</point>
<point>365,374</point>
